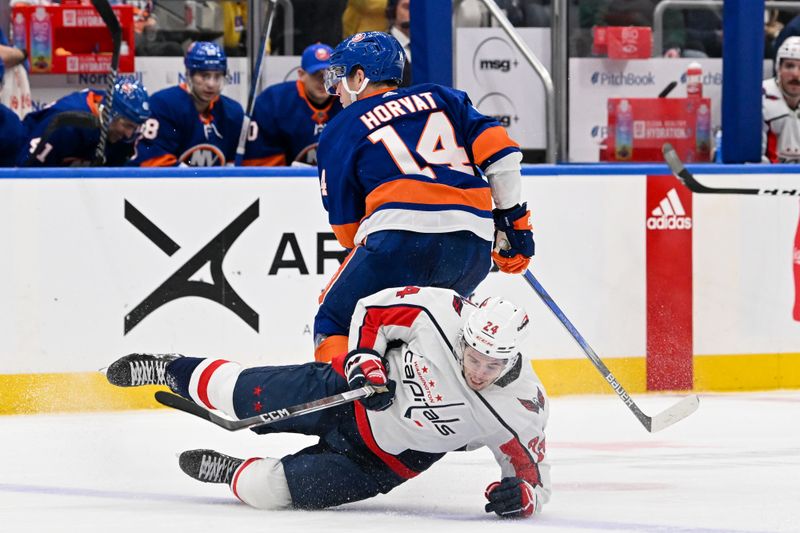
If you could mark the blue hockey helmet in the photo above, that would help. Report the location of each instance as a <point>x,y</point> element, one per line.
<point>130,100</point>
<point>204,55</point>
<point>377,53</point>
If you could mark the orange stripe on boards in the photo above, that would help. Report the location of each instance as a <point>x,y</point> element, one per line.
<point>22,394</point>
<point>429,193</point>
<point>491,141</point>
<point>579,376</point>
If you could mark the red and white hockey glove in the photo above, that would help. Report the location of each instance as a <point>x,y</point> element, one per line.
<point>514,244</point>
<point>365,367</point>
<point>511,498</point>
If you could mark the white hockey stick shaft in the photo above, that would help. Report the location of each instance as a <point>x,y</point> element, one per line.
<point>255,84</point>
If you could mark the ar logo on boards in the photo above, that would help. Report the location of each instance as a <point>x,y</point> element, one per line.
<point>669,214</point>
<point>181,283</point>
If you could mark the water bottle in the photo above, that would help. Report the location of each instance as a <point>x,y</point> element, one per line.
<point>694,80</point>
<point>718,146</point>
<point>41,41</point>
<point>20,37</point>
<point>703,134</point>
<point>623,132</point>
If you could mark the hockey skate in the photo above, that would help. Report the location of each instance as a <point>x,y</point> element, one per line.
<point>209,466</point>
<point>139,369</point>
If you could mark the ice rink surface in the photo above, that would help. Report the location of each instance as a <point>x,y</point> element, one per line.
<point>733,466</point>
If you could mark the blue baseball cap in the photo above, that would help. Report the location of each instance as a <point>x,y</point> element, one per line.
<point>316,57</point>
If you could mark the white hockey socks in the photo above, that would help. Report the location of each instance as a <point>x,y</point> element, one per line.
<point>212,382</point>
<point>261,483</point>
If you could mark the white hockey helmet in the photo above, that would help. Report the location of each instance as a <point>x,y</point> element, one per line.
<point>495,329</point>
<point>789,49</point>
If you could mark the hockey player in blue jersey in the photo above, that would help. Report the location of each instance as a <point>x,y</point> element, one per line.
<point>193,124</point>
<point>289,117</point>
<point>67,131</point>
<point>402,176</point>
<point>12,134</point>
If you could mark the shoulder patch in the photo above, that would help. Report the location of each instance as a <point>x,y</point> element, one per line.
<point>458,304</point>
<point>534,404</point>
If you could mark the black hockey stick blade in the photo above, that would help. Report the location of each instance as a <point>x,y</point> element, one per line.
<point>182,404</point>
<point>664,419</point>
<point>687,178</point>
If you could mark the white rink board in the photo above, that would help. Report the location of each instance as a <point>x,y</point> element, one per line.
<point>75,267</point>
<point>743,288</point>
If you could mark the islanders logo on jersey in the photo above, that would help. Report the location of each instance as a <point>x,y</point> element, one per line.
<point>308,155</point>
<point>203,155</point>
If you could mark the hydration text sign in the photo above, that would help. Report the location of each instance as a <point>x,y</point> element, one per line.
<point>639,127</point>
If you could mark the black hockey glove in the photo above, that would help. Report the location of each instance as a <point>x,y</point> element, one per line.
<point>511,498</point>
<point>365,367</point>
<point>514,244</point>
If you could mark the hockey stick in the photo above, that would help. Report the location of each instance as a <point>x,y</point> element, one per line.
<point>664,419</point>
<point>676,166</point>
<point>114,28</point>
<point>254,85</point>
<point>668,89</point>
<point>188,406</point>
<point>67,119</point>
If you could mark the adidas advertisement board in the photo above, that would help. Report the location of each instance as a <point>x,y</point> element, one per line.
<point>669,284</point>
<point>669,214</point>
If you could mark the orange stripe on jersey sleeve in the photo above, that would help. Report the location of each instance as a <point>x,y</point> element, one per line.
<point>345,233</point>
<point>277,160</point>
<point>166,160</point>
<point>422,192</point>
<point>491,141</point>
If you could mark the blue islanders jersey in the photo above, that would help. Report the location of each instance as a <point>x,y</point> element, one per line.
<point>12,137</point>
<point>410,159</point>
<point>287,126</point>
<point>70,144</point>
<point>177,134</point>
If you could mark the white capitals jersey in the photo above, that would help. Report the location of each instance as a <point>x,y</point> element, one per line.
<point>781,129</point>
<point>434,410</point>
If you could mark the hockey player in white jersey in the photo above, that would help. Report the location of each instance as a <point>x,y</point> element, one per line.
<point>780,101</point>
<point>454,381</point>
